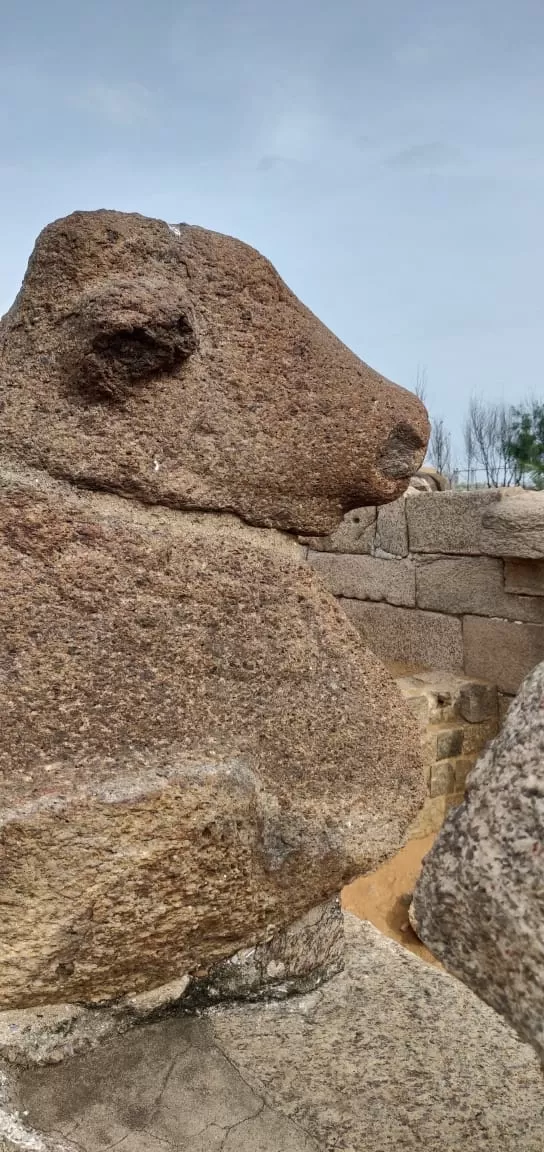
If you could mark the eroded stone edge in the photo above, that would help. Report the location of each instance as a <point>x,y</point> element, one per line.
<point>296,960</point>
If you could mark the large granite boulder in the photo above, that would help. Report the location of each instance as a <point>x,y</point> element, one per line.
<point>479,903</point>
<point>196,746</point>
<point>197,751</point>
<point>173,364</point>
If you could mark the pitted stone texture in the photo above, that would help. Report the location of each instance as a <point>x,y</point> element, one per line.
<point>408,635</point>
<point>479,903</point>
<point>389,1055</point>
<point>298,959</point>
<point>354,535</point>
<point>197,748</point>
<point>175,365</point>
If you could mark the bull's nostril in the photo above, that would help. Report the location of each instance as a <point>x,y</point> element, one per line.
<point>403,452</point>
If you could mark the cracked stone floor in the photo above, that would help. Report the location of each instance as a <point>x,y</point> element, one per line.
<point>389,1056</point>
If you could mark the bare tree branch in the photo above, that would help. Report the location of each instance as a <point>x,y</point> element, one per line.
<point>487,432</point>
<point>440,448</point>
<point>421,383</point>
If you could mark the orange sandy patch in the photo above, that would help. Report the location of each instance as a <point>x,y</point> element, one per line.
<point>381,896</point>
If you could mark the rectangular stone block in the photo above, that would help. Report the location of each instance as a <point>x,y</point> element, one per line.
<point>462,767</point>
<point>391,528</point>
<point>477,701</point>
<point>452,698</point>
<point>355,535</point>
<point>417,701</point>
<point>449,522</point>
<point>366,577</point>
<point>442,779</point>
<point>476,737</point>
<point>407,636</point>
<point>500,651</point>
<point>515,526</point>
<point>449,742</point>
<point>472,585</point>
<point>525,577</point>
<point>442,692</point>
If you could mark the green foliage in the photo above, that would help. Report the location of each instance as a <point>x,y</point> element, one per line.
<point>526,442</point>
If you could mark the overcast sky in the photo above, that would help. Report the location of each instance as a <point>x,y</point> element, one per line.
<point>388,157</point>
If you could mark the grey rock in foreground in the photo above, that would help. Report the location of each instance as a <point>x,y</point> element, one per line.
<point>479,903</point>
<point>389,1055</point>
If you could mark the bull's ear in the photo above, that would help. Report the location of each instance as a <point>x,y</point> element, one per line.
<point>126,333</point>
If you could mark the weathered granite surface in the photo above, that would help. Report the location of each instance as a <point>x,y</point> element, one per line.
<point>173,364</point>
<point>391,1054</point>
<point>295,960</point>
<point>196,747</point>
<point>479,903</point>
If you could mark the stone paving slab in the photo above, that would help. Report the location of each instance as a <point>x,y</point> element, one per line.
<point>389,1056</point>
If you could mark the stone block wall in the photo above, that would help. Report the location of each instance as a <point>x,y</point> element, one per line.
<point>450,581</point>
<point>447,588</point>
<point>457,717</point>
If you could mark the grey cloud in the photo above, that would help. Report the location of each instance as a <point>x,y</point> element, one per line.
<point>432,154</point>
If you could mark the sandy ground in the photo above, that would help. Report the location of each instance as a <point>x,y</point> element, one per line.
<point>381,896</point>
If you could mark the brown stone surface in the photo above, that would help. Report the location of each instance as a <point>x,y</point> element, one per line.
<point>450,697</point>
<point>366,577</point>
<point>474,586</point>
<point>407,635</point>
<point>524,576</point>
<point>196,746</point>
<point>501,651</point>
<point>173,364</point>
<point>462,767</point>
<point>417,701</point>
